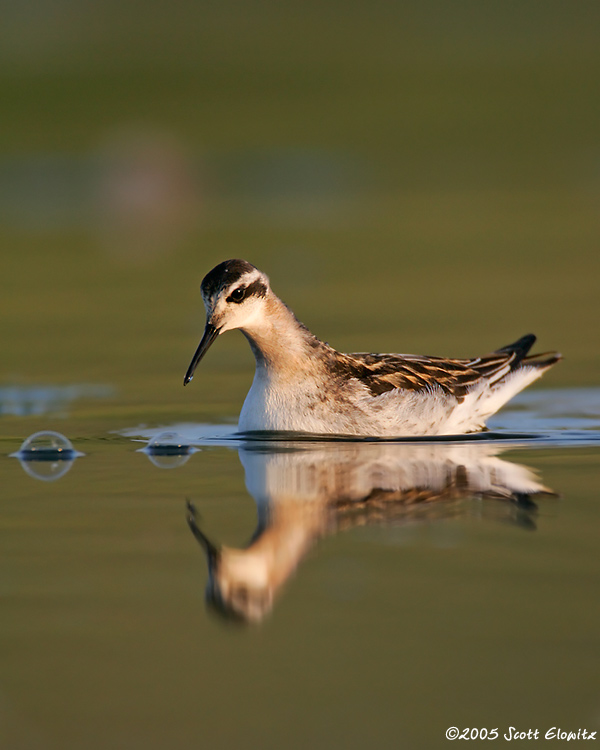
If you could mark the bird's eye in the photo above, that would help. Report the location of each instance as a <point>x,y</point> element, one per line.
<point>237,295</point>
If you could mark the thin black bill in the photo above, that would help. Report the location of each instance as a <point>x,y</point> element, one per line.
<point>210,334</point>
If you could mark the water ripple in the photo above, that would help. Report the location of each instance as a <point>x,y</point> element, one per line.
<point>566,417</point>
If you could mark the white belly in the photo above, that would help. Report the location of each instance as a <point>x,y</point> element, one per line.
<point>309,405</point>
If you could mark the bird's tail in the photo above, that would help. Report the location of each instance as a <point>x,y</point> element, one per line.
<point>520,348</point>
<point>522,371</point>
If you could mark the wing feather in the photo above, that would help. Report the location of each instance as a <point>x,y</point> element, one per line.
<point>385,372</point>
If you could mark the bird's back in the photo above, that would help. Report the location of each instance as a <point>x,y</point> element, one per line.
<point>422,395</point>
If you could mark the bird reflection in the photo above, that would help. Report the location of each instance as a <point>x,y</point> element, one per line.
<point>306,493</point>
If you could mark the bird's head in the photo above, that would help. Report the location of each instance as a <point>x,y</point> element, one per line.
<point>234,294</point>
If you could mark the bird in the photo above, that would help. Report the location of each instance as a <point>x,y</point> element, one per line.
<point>303,385</point>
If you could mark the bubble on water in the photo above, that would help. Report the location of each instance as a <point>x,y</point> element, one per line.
<point>168,444</point>
<point>168,450</point>
<point>168,461</point>
<point>46,455</point>
<point>47,446</point>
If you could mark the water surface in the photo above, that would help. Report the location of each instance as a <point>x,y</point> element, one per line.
<point>337,593</point>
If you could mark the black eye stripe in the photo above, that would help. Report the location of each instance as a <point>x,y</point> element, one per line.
<point>255,289</point>
<point>223,275</point>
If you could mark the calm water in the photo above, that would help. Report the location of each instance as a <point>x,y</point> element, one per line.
<point>438,583</point>
<point>414,177</point>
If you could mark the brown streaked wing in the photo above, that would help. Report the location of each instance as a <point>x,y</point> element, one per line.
<point>385,372</point>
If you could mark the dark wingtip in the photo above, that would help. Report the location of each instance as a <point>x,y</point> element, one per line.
<point>536,360</point>
<point>520,349</point>
<point>521,346</point>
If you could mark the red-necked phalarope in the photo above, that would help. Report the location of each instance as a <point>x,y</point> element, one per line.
<point>302,384</point>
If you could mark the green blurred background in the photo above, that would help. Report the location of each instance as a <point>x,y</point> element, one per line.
<point>417,176</point>
<point>414,176</point>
